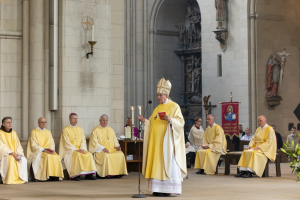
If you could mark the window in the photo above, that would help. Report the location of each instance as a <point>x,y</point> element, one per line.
<point>219,65</point>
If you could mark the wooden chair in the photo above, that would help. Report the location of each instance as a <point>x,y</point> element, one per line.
<point>238,155</point>
<point>242,143</point>
<point>222,156</point>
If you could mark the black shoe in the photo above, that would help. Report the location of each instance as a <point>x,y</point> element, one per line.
<point>53,178</point>
<point>241,174</point>
<point>166,194</point>
<point>201,171</point>
<point>158,194</point>
<point>247,175</point>
<point>90,177</point>
<point>77,178</point>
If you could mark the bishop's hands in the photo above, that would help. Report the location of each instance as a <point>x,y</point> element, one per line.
<point>167,118</point>
<point>141,118</point>
<point>16,156</point>
<point>80,151</point>
<point>205,147</point>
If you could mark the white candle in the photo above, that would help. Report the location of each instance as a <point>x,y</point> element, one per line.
<point>93,32</point>
<point>140,110</point>
<point>132,114</point>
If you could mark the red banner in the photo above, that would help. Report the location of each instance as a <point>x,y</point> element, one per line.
<point>230,118</point>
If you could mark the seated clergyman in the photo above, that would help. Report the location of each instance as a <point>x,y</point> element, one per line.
<point>13,164</point>
<point>261,148</point>
<point>110,160</point>
<point>41,154</point>
<point>73,151</point>
<point>214,145</point>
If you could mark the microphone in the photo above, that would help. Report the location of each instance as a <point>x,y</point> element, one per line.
<point>149,102</point>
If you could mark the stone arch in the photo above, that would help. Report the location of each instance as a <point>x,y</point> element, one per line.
<point>152,20</point>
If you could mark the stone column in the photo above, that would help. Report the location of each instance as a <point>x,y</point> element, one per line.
<point>36,62</point>
<point>47,113</point>
<point>25,69</point>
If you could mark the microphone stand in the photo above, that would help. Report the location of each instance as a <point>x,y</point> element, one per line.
<point>139,195</point>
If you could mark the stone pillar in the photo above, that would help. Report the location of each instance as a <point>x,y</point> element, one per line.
<point>36,62</point>
<point>25,69</point>
<point>47,113</point>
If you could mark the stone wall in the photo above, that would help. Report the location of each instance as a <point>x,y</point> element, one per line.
<point>234,61</point>
<point>11,61</point>
<point>277,28</point>
<point>91,87</point>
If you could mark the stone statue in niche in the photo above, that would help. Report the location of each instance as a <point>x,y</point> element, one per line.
<point>275,76</point>
<point>221,13</point>
<point>189,81</point>
<point>196,79</point>
<point>181,31</point>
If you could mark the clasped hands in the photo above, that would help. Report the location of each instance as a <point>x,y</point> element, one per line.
<point>80,151</point>
<point>255,148</point>
<point>107,151</point>
<point>142,119</point>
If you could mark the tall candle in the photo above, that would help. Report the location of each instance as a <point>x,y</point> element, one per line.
<point>140,110</point>
<point>93,32</point>
<point>132,114</point>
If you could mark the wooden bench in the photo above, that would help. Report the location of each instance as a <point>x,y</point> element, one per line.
<point>238,154</point>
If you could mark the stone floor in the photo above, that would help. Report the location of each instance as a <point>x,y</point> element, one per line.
<point>195,187</point>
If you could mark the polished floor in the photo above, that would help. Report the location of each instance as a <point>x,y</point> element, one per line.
<point>195,187</point>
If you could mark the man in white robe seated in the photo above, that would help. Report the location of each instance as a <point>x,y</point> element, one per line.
<point>41,154</point>
<point>13,164</point>
<point>73,151</point>
<point>110,160</point>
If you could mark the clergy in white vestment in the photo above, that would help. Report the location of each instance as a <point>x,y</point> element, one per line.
<point>73,152</point>
<point>13,164</point>
<point>196,135</point>
<point>41,154</point>
<point>164,163</point>
<point>194,141</point>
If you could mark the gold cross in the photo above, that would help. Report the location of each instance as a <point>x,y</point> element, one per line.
<point>87,23</point>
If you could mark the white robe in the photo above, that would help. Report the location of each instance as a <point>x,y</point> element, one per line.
<point>172,185</point>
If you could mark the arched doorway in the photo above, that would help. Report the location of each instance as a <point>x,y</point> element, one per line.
<point>177,54</point>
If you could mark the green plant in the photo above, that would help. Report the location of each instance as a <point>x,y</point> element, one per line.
<point>293,153</point>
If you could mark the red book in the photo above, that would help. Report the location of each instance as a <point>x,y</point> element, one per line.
<point>161,114</point>
<point>50,150</point>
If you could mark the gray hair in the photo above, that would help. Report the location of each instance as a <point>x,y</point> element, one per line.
<point>104,115</point>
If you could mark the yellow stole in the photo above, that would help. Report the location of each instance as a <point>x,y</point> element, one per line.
<point>75,136</point>
<point>260,137</point>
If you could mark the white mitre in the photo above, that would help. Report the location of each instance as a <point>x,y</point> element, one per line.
<point>164,87</point>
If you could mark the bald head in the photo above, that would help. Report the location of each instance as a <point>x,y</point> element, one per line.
<point>210,120</point>
<point>42,122</point>
<point>262,121</point>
